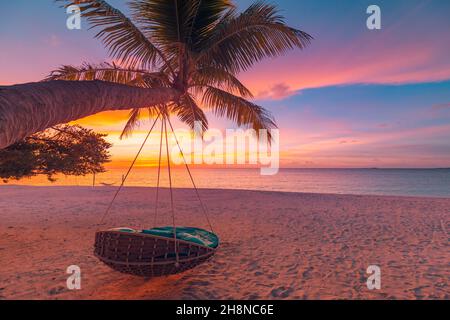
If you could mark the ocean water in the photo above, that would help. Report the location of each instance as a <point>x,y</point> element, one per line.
<point>403,182</point>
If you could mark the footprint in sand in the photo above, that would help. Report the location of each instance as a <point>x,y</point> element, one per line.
<point>199,283</point>
<point>418,292</point>
<point>307,273</point>
<point>252,296</point>
<point>292,268</point>
<point>55,291</point>
<point>273,275</point>
<point>281,292</point>
<point>253,265</point>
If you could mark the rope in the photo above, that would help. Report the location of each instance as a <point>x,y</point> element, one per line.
<point>163,130</point>
<point>205,211</point>
<point>171,193</point>
<point>128,172</point>
<point>159,173</point>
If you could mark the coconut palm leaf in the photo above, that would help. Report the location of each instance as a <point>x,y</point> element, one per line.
<point>165,22</point>
<point>133,121</point>
<point>189,112</point>
<point>217,77</point>
<point>203,18</point>
<point>107,72</point>
<point>134,118</point>
<point>237,109</point>
<point>171,22</point>
<point>177,26</point>
<point>124,40</point>
<point>241,40</point>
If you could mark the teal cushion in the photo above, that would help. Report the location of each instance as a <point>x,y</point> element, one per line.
<point>191,234</point>
<point>122,229</point>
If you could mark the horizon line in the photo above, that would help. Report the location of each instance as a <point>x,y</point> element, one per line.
<point>314,168</point>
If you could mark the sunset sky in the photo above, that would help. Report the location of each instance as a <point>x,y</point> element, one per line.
<point>354,98</point>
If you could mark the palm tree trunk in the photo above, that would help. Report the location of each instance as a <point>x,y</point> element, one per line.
<point>32,107</point>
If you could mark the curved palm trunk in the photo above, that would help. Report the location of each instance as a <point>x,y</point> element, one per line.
<point>33,107</point>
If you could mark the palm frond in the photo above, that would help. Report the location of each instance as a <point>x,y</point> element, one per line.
<point>161,19</point>
<point>189,112</point>
<point>177,21</point>
<point>237,109</point>
<point>203,18</point>
<point>220,78</point>
<point>241,40</point>
<point>177,27</point>
<point>119,34</point>
<point>135,116</point>
<point>111,73</point>
<point>165,22</point>
<point>133,121</point>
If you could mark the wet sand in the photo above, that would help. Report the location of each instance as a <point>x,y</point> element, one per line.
<point>274,245</point>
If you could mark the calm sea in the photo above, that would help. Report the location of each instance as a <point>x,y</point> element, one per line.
<point>407,182</point>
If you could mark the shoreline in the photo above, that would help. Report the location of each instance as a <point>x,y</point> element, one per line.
<point>222,189</point>
<point>363,182</point>
<point>274,245</point>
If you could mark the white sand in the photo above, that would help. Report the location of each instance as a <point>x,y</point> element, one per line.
<point>273,245</point>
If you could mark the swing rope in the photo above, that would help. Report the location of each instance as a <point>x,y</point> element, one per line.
<point>171,193</point>
<point>164,120</point>
<point>204,209</point>
<point>129,170</point>
<point>159,173</point>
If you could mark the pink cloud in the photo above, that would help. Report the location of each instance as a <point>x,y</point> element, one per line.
<point>393,55</point>
<point>277,92</point>
<point>373,64</point>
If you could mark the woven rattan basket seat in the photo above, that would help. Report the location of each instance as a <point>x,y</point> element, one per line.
<point>147,255</point>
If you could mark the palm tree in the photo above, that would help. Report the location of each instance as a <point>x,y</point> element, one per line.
<point>180,56</point>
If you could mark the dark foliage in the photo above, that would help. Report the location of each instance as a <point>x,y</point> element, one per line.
<point>66,149</point>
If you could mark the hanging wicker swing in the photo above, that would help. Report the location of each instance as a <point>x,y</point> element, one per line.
<point>157,251</point>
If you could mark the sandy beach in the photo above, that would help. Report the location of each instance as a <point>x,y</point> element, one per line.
<point>274,245</point>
